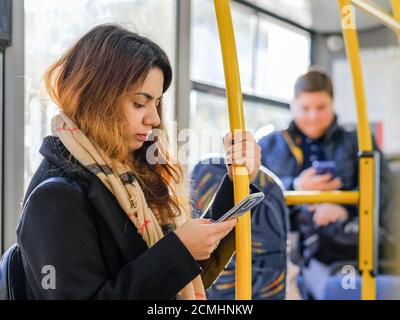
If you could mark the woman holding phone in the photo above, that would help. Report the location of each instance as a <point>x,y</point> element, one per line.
<point>100,220</point>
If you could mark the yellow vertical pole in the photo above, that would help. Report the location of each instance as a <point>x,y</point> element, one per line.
<point>366,259</point>
<point>237,124</point>
<point>353,55</point>
<point>367,170</point>
<point>396,13</point>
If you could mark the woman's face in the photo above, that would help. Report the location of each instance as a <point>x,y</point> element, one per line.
<point>313,113</point>
<point>140,108</point>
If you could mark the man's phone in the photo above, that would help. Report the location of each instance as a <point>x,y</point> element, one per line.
<point>242,207</point>
<point>324,167</point>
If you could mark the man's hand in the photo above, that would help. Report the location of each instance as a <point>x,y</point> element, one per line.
<point>309,180</point>
<point>328,213</point>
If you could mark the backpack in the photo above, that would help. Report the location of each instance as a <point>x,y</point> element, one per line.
<point>12,275</point>
<point>269,233</point>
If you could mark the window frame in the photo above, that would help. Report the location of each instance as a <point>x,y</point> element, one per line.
<point>282,22</point>
<point>221,92</point>
<point>13,128</point>
<point>2,80</point>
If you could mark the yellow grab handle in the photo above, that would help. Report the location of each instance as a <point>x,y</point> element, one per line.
<point>308,197</point>
<point>378,13</point>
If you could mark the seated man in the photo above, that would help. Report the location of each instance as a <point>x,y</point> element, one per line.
<point>328,232</point>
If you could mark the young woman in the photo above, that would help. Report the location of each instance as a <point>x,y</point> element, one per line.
<point>100,220</point>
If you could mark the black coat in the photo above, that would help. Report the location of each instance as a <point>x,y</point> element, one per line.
<point>94,248</point>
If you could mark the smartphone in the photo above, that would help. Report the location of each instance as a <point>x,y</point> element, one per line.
<point>242,207</point>
<point>323,167</point>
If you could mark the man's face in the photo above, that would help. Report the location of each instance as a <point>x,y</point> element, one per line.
<point>313,113</point>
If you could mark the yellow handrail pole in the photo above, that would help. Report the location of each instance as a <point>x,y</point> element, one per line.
<point>396,13</point>
<point>237,123</point>
<point>353,55</point>
<point>366,183</point>
<point>378,13</point>
<point>312,197</point>
<point>367,249</point>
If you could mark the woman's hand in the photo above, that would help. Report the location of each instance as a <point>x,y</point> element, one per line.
<point>201,236</point>
<point>242,150</point>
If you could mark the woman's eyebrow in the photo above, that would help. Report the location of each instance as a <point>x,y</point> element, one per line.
<point>148,96</point>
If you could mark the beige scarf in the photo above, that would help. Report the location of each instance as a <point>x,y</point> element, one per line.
<point>119,180</point>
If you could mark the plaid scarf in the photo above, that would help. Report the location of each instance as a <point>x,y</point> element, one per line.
<point>120,181</point>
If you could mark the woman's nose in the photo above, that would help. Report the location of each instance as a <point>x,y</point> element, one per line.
<point>152,117</point>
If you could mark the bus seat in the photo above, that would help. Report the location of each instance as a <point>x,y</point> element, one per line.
<point>388,288</point>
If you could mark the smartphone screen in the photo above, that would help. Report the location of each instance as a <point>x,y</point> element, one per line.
<point>323,167</point>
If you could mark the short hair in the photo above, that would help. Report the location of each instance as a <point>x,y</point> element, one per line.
<point>313,81</point>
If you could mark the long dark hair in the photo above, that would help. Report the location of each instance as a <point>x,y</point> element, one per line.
<point>89,82</point>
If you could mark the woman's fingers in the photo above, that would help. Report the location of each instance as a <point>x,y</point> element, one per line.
<point>201,236</point>
<point>240,141</point>
<point>218,230</point>
<point>241,149</point>
<point>203,221</point>
<point>250,150</point>
<point>237,138</point>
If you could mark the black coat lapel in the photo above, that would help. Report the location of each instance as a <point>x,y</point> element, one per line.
<point>124,232</point>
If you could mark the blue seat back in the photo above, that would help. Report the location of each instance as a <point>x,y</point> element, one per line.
<point>269,234</point>
<point>388,288</point>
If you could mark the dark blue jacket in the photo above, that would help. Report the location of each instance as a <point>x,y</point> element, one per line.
<point>283,155</point>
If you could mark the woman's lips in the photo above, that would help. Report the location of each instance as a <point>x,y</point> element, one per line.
<point>141,137</point>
